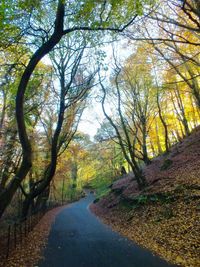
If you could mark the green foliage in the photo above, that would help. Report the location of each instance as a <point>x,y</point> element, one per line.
<point>101,185</point>
<point>112,13</point>
<point>142,199</point>
<point>105,132</point>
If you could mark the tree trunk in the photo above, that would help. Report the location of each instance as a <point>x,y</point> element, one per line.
<point>158,140</point>
<point>163,123</point>
<point>144,144</point>
<point>41,202</point>
<point>7,195</point>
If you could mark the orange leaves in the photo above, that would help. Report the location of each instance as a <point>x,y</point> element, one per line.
<point>29,253</point>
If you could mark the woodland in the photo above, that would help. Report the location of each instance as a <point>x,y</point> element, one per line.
<point>139,60</point>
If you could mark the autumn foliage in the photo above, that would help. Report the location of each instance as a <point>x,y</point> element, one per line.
<point>165,216</point>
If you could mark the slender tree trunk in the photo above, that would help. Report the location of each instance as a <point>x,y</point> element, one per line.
<point>193,84</point>
<point>41,202</point>
<point>129,156</point>
<point>8,157</point>
<point>182,110</point>
<point>144,143</point>
<point>3,113</point>
<point>193,112</point>
<point>158,140</point>
<point>7,195</point>
<point>152,148</point>
<point>163,123</point>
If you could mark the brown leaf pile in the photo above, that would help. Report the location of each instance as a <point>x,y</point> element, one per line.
<point>29,253</point>
<point>170,229</point>
<point>175,239</point>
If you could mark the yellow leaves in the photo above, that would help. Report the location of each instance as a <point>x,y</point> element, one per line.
<point>179,260</point>
<point>170,227</point>
<point>175,239</point>
<point>29,253</point>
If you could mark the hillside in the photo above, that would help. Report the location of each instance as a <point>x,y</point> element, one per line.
<point>164,217</point>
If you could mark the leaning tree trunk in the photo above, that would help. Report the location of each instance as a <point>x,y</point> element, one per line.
<point>51,168</point>
<point>41,202</point>
<point>7,195</point>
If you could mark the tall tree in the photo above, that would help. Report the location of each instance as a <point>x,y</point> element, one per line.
<point>75,81</point>
<point>86,16</point>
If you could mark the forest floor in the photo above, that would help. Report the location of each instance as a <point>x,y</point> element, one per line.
<point>165,216</point>
<point>28,253</point>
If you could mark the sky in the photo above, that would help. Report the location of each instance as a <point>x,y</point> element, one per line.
<point>91,118</point>
<point>93,115</point>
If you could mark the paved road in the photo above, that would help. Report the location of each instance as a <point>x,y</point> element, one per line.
<point>79,239</point>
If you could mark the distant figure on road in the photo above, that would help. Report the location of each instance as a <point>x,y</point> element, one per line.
<point>123,170</point>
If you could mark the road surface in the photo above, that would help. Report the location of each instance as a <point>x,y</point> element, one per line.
<point>79,239</point>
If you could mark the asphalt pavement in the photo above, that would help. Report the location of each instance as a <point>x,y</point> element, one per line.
<point>79,239</point>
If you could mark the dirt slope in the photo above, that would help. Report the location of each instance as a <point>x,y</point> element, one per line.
<point>165,217</point>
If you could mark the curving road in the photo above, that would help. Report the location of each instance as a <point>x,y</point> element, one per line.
<point>79,239</point>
